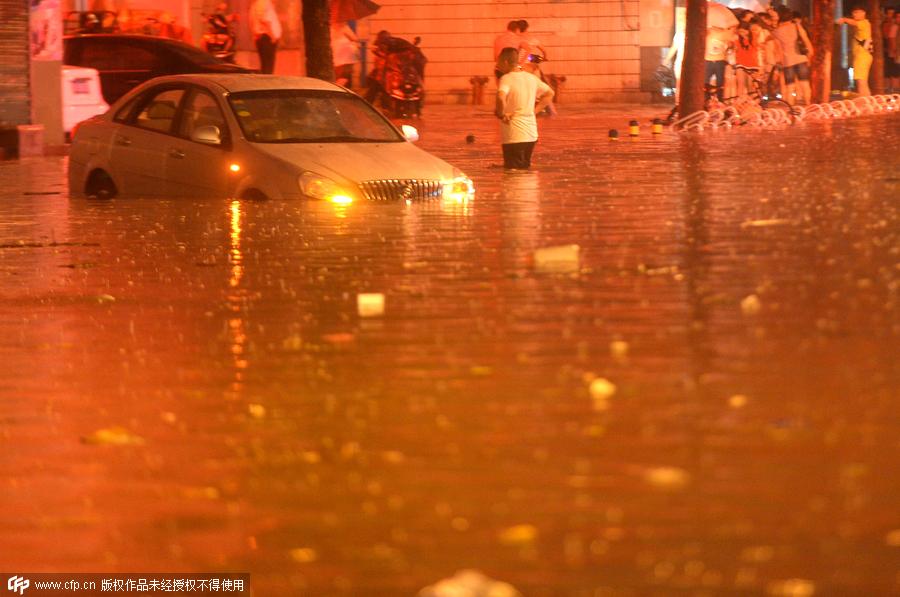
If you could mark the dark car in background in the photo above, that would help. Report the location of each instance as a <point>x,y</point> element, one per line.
<point>125,61</point>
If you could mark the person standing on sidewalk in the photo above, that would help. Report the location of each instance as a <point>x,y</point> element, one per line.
<point>717,42</point>
<point>892,42</point>
<point>345,50</point>
<point>529,44</point>
<point>887,23</point>
<point>508,39</point>
<point>520,96</point>
<point>862,48</point>
<point>531,54</point>
<point>794,64</point>
<point>266,30</point>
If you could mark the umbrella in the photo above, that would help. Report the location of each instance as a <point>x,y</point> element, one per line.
<point>753,5</point>
<point>352,10</point>
<point>719,15</point>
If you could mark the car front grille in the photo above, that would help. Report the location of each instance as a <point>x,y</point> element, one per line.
<point>401,189</point>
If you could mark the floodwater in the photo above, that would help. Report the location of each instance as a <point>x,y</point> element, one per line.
<point>707,404</point>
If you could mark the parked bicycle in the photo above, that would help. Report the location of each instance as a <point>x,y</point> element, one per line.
<point>760,105</point>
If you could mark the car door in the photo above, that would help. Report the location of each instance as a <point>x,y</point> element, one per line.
<point>138,147</point>
<point>199,168</point>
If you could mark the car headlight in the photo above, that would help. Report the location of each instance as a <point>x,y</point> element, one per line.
<point>459,188</point>
<point>321,187</point>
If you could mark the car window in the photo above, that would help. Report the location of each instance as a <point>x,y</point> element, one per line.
<point>159,112</point>
<point>306,116</point>
<point>201,109</point>
<point>72,51</point>
<point>106,56</point>
<point>194,55</point>
<point>124,112</point>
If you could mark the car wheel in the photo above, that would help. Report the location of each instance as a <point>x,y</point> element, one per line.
<point>100,186</point>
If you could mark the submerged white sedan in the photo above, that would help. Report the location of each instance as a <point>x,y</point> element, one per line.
<point>256,137</point>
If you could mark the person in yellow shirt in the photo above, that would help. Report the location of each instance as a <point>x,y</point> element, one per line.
<point>862,48</point>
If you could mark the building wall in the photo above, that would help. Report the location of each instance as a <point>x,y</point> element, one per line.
<point>596,45</point>
<point>15,106</point>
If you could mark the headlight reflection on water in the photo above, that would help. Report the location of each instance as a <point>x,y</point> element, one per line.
<point>459,189</point>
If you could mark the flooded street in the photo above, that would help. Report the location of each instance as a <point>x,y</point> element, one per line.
<point>706,403</point>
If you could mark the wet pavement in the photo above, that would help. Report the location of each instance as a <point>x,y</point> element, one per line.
<point>707,405</point>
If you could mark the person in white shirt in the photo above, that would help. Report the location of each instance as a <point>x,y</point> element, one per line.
<point>266,30</point>
<point>520,96</point>
<point>717,42</point>
<point>345,50</point>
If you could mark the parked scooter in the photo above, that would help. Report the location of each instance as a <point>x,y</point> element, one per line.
<point>398,77</point>
<point>219,38</point>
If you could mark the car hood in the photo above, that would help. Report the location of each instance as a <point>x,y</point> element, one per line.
<point>358,162</point>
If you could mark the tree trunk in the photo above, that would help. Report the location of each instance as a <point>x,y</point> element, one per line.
<point>873,13</point>
<point>693,68</point>
<point>823,44</point>
<point>317,40</point>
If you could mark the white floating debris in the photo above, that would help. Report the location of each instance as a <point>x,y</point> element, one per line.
<point>763,223</point>
<point>737,401</point>
<point>370,304</point>
<point>751,305</point>
<point>304,555</point>
<point>113,436</point>
<point>520,534</point>
<point>892,539</point>
<point>559,259</point>
<point>602,389</point>
<point>667,477</point>
<point>792,587</point>
<point>469,583</point>
<point>618,349</point>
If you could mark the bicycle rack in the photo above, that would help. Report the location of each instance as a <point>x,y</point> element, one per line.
<point>694,121</point>
<point>840,110</point>
<point>818,111</point>
<point>751,113</point>
<point>724,118</point>
<point>865,103</point>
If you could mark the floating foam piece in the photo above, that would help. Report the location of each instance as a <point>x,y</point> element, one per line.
<point>560,259</point>
<point>370,304</point>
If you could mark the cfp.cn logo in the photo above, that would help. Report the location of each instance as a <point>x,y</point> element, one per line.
<point>17,584</point>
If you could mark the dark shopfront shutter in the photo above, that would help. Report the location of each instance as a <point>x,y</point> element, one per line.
<point>15,97</point>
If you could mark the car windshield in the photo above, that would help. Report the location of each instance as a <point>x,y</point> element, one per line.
<point>308,116</point>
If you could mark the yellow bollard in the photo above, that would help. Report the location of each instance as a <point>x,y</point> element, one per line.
<point>634,129</point>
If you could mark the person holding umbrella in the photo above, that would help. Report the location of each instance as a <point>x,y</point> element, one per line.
<point>266,30</point>
<point>721,25</point>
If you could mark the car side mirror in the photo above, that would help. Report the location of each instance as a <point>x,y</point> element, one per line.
<point>209,134</point>
<point>410,132</point>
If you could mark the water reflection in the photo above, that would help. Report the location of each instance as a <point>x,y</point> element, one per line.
<point>698,171</point>
<point>237,297</point>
